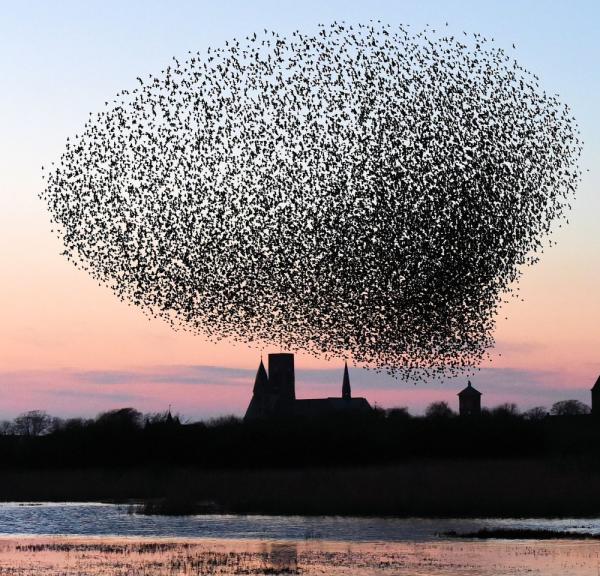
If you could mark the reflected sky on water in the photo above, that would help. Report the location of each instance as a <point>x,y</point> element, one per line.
<point>117,520</point>
<point>103,539</point>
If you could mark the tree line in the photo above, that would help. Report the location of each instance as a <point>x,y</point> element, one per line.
<point>39,422</point>
<point>126,438</point>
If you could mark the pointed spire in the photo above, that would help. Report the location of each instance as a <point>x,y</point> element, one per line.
<point>597,384</point>
<point>261,382</point>
<point>346,393</point>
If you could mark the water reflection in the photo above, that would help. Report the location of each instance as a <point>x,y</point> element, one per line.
<point>104,540</point>
<point>111,520</point>
<point>282,557</point>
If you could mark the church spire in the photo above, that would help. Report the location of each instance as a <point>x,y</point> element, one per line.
<point>346,383</point>
<point>261,382</point>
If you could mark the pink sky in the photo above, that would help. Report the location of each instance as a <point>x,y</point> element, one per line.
<point>70,347</point>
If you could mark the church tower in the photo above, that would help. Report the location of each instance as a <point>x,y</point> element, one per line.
<point>281,376</point>
<point>346,393</point>
<point>469,401</point>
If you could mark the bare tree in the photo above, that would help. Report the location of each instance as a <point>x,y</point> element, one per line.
<point>507,409</point>
<point>121,418</point>
<point>400,412</point>
<point>569,408</point>
<point>439,410</point>
<point>536,413</point>
<point>6,427</point>
<point>32,423</point>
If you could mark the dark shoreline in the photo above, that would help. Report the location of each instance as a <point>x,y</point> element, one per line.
<point>423,488</point>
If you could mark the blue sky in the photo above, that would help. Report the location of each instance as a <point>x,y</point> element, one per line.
<point>61,60</point>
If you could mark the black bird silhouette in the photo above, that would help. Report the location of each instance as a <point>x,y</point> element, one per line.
<point>362,192</point>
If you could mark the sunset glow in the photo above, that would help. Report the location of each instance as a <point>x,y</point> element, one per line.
<point>70,347</point>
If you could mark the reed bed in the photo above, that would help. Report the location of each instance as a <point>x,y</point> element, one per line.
<point>75,556</point>
<point>506,488</point>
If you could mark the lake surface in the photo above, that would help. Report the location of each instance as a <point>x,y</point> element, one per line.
<point>84,519</point>
<point>94,539</point>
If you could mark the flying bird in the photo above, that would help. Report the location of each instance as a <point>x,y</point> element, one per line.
<point>358,192</point>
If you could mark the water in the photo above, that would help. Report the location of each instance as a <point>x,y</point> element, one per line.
<point>103,539</point>
<point>84,519</point>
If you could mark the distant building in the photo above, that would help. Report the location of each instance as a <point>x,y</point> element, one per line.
<point>596,398</point>
<point>469,401</point>
<point>274,394</point>
<point>172,421</point>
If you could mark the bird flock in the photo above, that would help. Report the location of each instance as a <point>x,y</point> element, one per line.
<point>360,192</point>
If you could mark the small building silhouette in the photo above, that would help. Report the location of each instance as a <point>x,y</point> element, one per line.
<point>171,420</point>
<point>274,394</point>
<point>596,398</point>
<point>469,401</point>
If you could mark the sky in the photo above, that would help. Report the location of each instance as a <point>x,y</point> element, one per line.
<point>70,347</point>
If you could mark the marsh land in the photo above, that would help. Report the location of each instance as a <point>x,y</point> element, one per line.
<point>92,539</point>
<point>386,463</point>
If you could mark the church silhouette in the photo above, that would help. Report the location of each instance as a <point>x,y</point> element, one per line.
<point>274,394</point>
